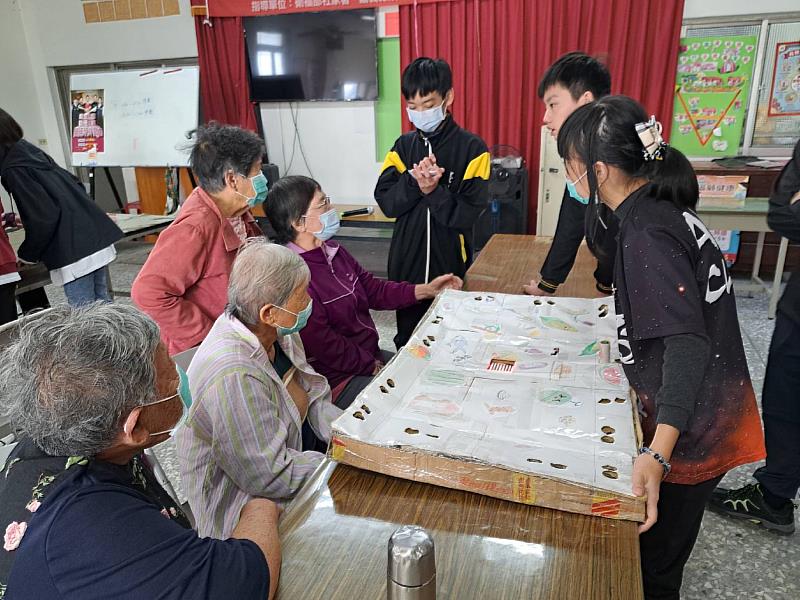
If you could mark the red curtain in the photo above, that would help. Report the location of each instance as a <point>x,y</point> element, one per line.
<point>499,49</point>
<point>224,91</point>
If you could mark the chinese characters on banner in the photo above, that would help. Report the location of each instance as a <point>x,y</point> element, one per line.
<point>87,122</point>
<point>251,8</point>
<point>785,92</point>
<point>711,93</point>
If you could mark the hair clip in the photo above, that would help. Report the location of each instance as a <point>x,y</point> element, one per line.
<point>650,135</point>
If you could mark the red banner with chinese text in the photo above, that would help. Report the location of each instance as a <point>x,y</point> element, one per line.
<point>251,8</point>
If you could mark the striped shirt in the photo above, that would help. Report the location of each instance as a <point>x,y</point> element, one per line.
<point>242,437</point>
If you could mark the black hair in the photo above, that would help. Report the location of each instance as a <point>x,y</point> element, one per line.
<point>10,130</point>
<point>426,75</point>
<point>605,131</point>
<point>287,201</point>
<point>579,73</point>
<point>217,149</point>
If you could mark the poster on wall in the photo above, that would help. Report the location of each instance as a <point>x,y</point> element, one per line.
<point>712,88</point>
<point>87,126</point>
<point>784,98</point>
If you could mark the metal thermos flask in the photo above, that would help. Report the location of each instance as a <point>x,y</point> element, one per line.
<point>411,572</point>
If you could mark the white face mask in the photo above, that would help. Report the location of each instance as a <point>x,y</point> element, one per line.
<point>427,120</point>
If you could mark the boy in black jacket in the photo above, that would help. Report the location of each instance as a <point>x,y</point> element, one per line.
<point>769,502</point>
<point>434,182</point>
<point>572,81</point>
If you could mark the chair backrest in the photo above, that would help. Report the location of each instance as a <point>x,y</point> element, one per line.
<point>184,359</point>
<point>7,445</point>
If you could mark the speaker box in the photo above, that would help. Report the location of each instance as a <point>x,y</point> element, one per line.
<point>508,205</point>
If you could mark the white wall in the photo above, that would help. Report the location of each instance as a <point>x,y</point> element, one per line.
<point>339,143</point>
<point>694,9</point>
<point>17,90</point>
<point>40,34</point>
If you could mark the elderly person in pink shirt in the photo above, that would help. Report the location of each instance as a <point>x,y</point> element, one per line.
<point>183,284</point>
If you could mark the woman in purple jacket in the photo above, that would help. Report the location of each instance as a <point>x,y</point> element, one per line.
<point>341,341</point>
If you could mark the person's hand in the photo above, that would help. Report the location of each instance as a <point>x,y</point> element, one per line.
<point>647,476</point>
<point>425,291</point>
<point>427,173</point>
<point>533,289</point>
<point>378,367</point>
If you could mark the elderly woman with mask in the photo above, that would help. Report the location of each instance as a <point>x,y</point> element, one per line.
<point>83,516</point>
<point>341,340</point>
<point>261,415</point>
<point>184,281</point>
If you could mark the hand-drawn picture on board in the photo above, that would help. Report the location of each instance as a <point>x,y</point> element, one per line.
<point>711,93</point>
<point>86,111</point>
<point>784,98</point>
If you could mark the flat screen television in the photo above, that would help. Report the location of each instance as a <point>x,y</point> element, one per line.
<point>328,55</point>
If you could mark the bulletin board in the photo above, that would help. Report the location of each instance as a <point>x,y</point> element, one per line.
<point>712,90</point>
<point>784,97</point>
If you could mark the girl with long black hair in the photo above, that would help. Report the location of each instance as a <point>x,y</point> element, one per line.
<point>678,330</point>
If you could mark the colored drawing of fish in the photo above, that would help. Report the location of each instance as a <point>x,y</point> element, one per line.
<point>555,323</point>
<point>591,349</point>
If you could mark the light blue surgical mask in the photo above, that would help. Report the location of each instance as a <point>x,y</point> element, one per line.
<point>330,225</point>
<point>185,395</point>
<point>574,192</point>
<point>259,183</point>
<point>427,120</point>
<point>300,322</point>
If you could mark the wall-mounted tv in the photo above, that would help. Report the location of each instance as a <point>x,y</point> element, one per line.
<point>329,55</point>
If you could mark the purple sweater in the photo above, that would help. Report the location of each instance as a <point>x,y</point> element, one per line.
<point>340,339</point>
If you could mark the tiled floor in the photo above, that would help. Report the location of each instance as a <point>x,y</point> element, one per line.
<point>732,559</point>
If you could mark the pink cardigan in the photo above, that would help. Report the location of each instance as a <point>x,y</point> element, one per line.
<point>183,285</point>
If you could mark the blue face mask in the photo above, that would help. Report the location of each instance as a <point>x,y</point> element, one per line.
<point>427,120</point>
<point>574,192</point>
<point>330,225</point>
<point>185,395</point>
<point>259,183</point>
<point>300,322</point>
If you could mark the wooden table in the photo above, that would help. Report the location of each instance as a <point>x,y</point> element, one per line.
<point>334,534</point>
<point>507,262</point>
<point>377,219</point>
<point>753,217</point>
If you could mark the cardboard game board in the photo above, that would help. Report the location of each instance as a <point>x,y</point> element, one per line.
<point>510,396</point>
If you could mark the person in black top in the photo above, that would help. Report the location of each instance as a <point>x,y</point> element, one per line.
<point>769,502</point>
<point>573,80</point>
<point>64,228</point>
<point>434,181</point>
<point>82,512</point>
<point>679,338</point>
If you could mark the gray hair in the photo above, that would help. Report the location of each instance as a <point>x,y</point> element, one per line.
<point>73,374</point>
<point>263,273</point>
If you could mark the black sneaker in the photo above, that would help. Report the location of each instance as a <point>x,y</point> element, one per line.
<point>748,503</point>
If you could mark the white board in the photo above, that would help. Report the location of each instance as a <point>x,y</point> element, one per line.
<point>132,118</point>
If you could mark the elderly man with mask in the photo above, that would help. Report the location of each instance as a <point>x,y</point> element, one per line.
<point>261,415</point>
<point>182,285</point>
<point>82,513</point>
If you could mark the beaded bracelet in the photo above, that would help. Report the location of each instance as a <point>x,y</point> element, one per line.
<point>661,460</point>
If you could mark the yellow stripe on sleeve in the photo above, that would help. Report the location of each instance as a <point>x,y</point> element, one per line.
<point>480,166</point>
<point>463,248</point>
<point>393,160</point>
